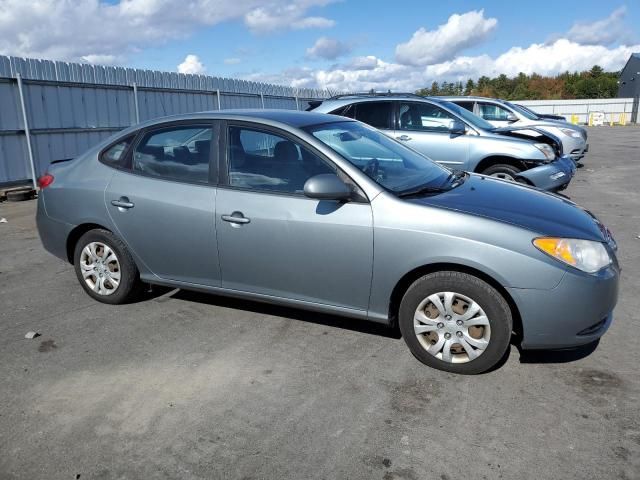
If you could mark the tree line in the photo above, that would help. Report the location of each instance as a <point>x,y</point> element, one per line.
<point>593,83</point>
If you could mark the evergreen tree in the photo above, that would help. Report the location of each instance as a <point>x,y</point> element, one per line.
<point>468,89</point>
<point>593,83</point>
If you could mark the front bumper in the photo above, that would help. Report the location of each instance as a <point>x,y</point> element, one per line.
<point>576,148</point>
<point>552,176</point>
<point>576,312</point>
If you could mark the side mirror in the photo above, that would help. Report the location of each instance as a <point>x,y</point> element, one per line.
<point>457,128</point>
<point>327,186</point>
<point>511,118</point>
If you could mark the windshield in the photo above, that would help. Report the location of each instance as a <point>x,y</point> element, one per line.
<point>387,162</point>
<point>467,116</point>
<point>524,111</point>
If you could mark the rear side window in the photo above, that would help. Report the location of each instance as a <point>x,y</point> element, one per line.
<point>466,105</point>
<point>346,111</point>
<point>177,153</point>
<point>492,112</point>
<point>115,155</point>
<point>376,114</point>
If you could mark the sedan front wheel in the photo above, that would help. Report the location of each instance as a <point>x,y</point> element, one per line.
<point>456,322</point>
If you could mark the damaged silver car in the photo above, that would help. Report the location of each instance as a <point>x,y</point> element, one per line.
<point>455,137</point>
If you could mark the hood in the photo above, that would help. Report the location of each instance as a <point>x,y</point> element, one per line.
<point>526,133</point>
<point>541,212</point>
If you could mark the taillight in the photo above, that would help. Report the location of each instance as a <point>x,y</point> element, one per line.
<point>45,180</point>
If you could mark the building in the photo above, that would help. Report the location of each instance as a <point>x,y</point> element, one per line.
<point>629,83</point>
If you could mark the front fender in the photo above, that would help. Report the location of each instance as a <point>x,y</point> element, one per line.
<point>551,176</point>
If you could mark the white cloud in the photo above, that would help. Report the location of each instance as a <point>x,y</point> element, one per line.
<point>459,33</point>
<point>417,67</point>
<point>328,48</point>
<point>191,64</point>
<point>365,73</point>
<point>102,59</point>
<point>232,61</point>
<point>99,32</point>
<point>545,59</point>
<point>361,63</point>
<point>286,15</point>
<point>601,32</point>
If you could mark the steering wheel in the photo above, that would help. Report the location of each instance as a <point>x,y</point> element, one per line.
<point>371,168</point>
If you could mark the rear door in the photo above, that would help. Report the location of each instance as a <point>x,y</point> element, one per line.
<point>425,127</point>
<point>163,202</point>
<point>273,240</point>
<point>378,114</point>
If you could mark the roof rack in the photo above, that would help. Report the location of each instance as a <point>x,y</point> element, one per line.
<point>375,94</point>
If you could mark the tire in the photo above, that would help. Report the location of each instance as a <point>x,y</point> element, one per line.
<point>20,195</point>
<point>506,172</point>
<point>494,313</point>
<point>128,288</point>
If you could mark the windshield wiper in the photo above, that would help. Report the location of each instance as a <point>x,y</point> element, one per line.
<point>422,190</point>
<point>457,177</point>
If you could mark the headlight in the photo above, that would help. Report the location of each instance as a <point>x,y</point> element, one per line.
<point>571,133</point>
<point>584,255</point>
<point>546,150</point>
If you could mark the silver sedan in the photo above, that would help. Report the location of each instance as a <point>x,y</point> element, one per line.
<point>325,213</point>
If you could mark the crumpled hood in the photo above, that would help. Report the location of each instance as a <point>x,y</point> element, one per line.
<point>541,212</point>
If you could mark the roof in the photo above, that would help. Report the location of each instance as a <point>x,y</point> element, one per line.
<point>331,104</point>
<point>469,97</point>
<point>292,118</point>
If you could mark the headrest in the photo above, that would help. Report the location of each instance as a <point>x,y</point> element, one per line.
<point>285,151</point>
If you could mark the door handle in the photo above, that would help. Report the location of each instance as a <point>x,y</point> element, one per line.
<point>236,217</point>
<point>404,138</point>
<point>122,202</point>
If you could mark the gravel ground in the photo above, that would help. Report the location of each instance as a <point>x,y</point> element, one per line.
<point>190,386</point>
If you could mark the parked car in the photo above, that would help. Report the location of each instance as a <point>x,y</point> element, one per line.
<point>501,113</point>
<point>546,116</point>
<point>451,135</point>
<point>328,214</point>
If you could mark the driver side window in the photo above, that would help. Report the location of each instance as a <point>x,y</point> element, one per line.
<point>424,117</point>
<point>260,160</point>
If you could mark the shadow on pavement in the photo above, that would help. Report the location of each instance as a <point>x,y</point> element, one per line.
<point>558,356</point>
<point>346,323</point>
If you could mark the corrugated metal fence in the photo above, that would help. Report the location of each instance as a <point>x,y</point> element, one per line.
<point>68,107</point>
<point>614,109</point>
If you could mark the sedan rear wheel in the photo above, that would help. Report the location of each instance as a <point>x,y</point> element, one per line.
<point>456,322</point>
<point>105,268</point>
<point>100,268</point>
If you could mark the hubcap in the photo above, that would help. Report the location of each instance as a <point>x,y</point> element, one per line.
<point>452,327</point>
<point>504,176</point>
<point>100,268</point>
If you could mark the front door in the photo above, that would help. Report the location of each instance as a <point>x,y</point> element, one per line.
<point>495,114</point>
<point>163,204</point>
<point>273,240</point>
<point>425,127</point>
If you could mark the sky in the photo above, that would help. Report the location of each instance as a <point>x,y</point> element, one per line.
<point>342,45</point>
